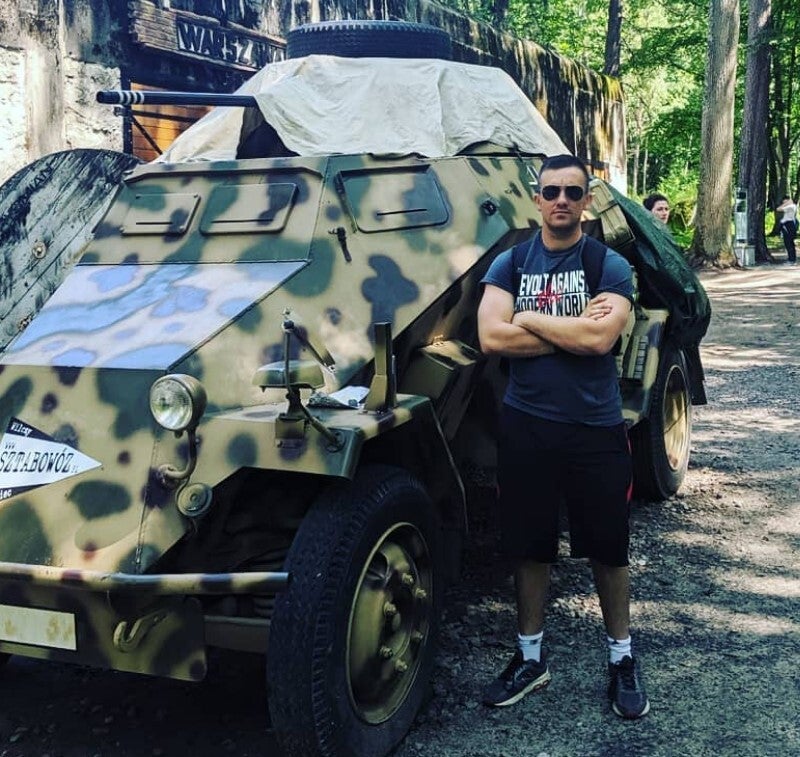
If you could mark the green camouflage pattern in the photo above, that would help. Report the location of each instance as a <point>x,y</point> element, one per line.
<point>194,270</point>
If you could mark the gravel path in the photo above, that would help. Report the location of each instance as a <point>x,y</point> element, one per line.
<point>716,582</point>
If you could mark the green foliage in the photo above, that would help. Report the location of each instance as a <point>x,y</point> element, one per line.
<point>483,10</point>
<point>681,187</point>
<point>672,137</point>
<point>785,109</point>
<point>664,48</point>
<point>663,74</point>
<point>663,63</point>
<point>575,28</point>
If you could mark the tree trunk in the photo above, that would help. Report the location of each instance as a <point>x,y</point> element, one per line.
<point>712,238</point>
<point>645,167</point>
<point>636,138</point>
<point>784,67</point>
<point>782,132</point>
<point>613,38</point>
<point>754,139</point>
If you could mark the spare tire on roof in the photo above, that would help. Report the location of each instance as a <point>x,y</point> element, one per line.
<point>369,39</point>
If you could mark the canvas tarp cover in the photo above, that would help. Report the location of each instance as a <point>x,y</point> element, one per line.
<point>323,105</point>
<point>670,279</point>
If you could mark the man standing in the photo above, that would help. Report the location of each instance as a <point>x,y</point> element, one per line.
<point>562,435</point>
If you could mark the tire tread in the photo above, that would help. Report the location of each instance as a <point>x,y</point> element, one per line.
<point>369,39</point>
<point>653,480</point>
<point>298,694</point>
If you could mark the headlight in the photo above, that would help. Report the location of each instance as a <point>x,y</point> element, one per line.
<point>177,401</point>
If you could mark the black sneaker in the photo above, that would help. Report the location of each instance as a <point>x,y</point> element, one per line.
<point>626,689</point>
<point>518,679</point>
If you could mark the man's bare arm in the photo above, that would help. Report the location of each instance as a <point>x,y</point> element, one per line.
<point>585,335</point>
<point>498,335</point>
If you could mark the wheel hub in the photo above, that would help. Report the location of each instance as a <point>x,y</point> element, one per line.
<point>676,418</point>
<point>389,622</point>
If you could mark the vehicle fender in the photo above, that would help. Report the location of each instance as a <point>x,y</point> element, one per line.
<point>408,435</point>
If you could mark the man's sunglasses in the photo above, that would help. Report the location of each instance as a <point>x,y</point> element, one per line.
<point>572,191</point>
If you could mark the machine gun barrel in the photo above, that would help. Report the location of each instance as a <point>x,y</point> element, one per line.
<point>144,97</point>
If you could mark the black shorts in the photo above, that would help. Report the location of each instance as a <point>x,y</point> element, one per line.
<point>542,464</point>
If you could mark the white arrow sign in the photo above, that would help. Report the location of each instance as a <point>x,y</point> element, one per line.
<point>30,458</point>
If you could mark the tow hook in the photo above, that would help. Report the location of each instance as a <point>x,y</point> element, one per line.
<point>128,635</point>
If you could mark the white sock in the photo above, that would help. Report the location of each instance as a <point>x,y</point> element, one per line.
<point>618,648</point>
<point>530,646</point>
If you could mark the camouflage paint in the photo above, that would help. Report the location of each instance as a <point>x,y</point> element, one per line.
<point>193,270</point>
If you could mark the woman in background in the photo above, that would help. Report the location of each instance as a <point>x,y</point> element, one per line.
<point>658,205</point>
<point>788,227</point>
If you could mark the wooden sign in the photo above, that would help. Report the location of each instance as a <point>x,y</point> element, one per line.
<point>198,37</point>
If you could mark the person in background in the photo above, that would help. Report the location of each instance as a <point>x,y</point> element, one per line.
<point>562,434</point>
<point>658,205</point>
<point>788,227</point>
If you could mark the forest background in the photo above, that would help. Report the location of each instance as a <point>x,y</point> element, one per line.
<point>712,105</point>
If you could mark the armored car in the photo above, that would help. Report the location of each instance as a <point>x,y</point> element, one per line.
<point>235,421</point>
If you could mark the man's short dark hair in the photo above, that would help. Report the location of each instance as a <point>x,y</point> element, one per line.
<point>554,162</point>
<point>652,199</point>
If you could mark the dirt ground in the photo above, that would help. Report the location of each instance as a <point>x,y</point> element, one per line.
<point>715,572</point>
<point>716,607</point>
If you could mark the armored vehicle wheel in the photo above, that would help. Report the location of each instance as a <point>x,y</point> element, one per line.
<point>352,641</point>
<point>661,442</point>
<point>369,39</point>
